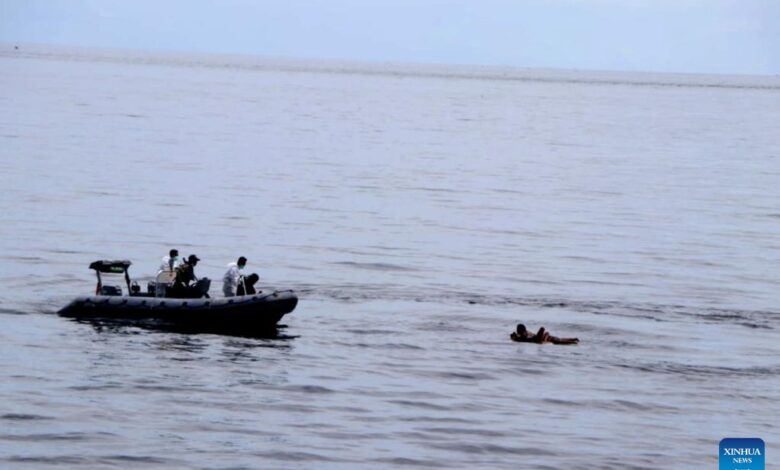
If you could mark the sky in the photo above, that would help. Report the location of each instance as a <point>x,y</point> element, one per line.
<point>696,36</point>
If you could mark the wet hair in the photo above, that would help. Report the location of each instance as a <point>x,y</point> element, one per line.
<point>252,279</point>
<point>241,261</point>
<point>521,329</point>
<point>173,253</point>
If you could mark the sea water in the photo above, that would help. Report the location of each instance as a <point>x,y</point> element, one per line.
<point>420,212</point>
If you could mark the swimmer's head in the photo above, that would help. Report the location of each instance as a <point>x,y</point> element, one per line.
<point>521,329</point>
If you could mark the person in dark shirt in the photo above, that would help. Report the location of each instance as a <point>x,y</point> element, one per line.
<point>522,335</point>
<point>248,282</point>
<point>185,283</point>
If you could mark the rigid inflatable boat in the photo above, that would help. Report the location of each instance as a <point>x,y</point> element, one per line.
<point>245,314</point>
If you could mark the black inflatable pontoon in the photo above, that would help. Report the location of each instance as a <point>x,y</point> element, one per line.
<point>246,314</point>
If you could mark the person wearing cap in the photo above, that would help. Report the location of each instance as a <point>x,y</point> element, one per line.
<point>185,278</point>
<point>232,276</point>
<point>170,262</point>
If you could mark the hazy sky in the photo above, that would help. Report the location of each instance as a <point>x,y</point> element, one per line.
<point>720,36</point>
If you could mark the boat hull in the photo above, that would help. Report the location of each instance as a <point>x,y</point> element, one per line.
<point>243,314</point>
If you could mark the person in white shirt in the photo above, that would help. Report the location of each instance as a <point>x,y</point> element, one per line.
<point>170,262</point>
<point>231,277</point>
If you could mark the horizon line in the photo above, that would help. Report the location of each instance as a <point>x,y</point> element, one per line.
<point>261,63</point>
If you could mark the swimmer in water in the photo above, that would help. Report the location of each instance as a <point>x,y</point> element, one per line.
<point>522,335</point>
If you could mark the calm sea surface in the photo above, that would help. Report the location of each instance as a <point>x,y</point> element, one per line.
<point>420,213</point>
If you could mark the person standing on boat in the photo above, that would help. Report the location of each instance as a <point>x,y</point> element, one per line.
<point>170,262</point>
<point>232,276</point>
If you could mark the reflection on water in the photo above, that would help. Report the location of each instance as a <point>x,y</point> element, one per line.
<point>134,327</point>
